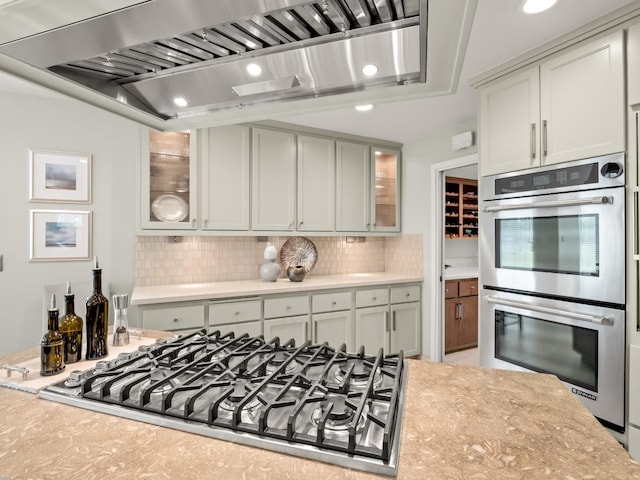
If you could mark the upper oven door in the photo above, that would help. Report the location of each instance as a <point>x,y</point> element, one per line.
<point>569,245</point>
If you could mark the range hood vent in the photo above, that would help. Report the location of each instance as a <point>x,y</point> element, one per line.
<point>136,60</point>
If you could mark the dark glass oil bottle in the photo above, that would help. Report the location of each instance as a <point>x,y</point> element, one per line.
<point>71,329</point>
<point>52,344</point>
<point>97,317</point>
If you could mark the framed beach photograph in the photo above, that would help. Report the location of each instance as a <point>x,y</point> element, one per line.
<point>59,177</point>
<point>60,235</point>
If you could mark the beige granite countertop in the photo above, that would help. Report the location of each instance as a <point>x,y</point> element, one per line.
<point>243,288</point>
<point>459,423</point>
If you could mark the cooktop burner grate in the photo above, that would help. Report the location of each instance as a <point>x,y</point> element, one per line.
<point>311,400</point>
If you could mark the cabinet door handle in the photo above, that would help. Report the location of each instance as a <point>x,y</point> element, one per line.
<point>461,311</point>
<point>300,224</point>
<point>175,319</point>
<point>315,332</point>
<point>634,219</point>
<point>394,321</point>
<point>193,223</point>
<point>544,138</point>
<point>533,141</point>
<point>206,222</point>
<point>386,321</point>
<point>305,331</point>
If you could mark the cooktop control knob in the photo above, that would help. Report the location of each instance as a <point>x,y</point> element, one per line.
<point>611,170</point>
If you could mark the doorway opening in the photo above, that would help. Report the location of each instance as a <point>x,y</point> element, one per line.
<point>461,252</point>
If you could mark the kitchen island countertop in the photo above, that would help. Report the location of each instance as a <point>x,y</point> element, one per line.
<point>241,288</point>
<point>459,423</point>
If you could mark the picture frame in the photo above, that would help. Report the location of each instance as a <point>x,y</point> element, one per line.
<point>62,177</point>
<point>59,235</point>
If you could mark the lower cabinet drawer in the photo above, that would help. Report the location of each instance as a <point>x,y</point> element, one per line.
<point>468,288</point>
<point>286,306</point>
<point>409,293</point>
<point>173,317</point>
<point>234,312</point>
<point>331,302</point>
<point>372,297</point>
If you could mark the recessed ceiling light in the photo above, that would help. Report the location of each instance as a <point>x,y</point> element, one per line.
<point>364,108</point>
<point>537,6</point>
<point>370,70</point>
<point>180,102</point>
<point>254,69</point>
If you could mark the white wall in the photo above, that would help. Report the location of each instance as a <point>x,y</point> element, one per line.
<point>416,200</point>
<point>65,125</point>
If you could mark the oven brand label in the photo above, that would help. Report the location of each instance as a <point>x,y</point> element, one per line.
<point>580,393</point>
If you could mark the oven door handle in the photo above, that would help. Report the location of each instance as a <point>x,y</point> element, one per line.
<point>552,311</point>
<point>600,200</point>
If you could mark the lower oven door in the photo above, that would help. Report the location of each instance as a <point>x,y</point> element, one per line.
<point>583,345</point>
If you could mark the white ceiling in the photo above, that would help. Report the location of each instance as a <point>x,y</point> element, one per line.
<point>500,32</point>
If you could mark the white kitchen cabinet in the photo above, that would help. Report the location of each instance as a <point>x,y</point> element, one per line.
<point>273,172</point>
<point>239,316</point>
<point>634,401</point>
<point>353,167</point>
<point>168,187</point>
<point>633,65</point>
<point>509,120</point>
<point>226,183</point>
<point>567,108</point>
<point>405,328</point>
<point>316,161</point>
<point>286,318</point>
<point>177,317</point>
<point>388,318</point>
<point>385,190</point>
<point>287,328</point>
<point>333,328</point>
<point>332,319</point>
<point>372,329</point>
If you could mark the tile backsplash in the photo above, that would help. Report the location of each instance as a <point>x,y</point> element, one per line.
<point>196,259</point>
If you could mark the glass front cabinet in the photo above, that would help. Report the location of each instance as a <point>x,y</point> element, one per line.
<point>168,180</point>
<point>385,200</point>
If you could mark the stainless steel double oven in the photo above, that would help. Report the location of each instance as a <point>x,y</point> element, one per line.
<point>552,256</point>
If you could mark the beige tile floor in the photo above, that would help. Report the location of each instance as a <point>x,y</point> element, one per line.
<point>463,357</point>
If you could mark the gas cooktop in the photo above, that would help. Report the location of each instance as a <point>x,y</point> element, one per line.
<point>313,401</point>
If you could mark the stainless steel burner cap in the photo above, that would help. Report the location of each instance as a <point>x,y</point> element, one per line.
<point>75,379</point>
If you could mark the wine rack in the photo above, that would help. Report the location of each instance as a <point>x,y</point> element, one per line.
<point>460,208</point>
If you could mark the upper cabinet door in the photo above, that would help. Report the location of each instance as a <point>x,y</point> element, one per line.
<point>225,177</point>
<point>633,64</point>
<point>385,190</point>
<point>168,187</point>
<point>273,180</point>
<point>509,124</point>
<point>352,187</point>
<point>316,184</point>
<point>582,101</point>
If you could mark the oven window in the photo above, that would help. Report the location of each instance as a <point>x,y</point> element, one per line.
<point>562,244</point>
<point>570,353</point>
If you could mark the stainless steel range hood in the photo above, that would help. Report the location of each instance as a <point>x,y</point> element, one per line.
<point>172,64</point>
